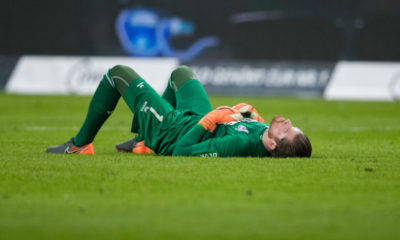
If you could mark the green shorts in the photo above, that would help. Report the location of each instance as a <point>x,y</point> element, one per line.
<point>157,121</point>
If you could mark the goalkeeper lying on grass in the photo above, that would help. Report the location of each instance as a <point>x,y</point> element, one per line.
<point>181,122</point>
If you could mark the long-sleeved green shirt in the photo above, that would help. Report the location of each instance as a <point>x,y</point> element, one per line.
<point>233,139</point>
<point>180,135</point>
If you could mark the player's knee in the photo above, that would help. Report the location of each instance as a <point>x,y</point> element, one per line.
<point>182,70</point>
<point>124,71</point>
<point>122,76</point>
<point>119,68</point>
<point>180,75</point>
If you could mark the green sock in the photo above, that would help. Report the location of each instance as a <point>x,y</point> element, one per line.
<point>178,77</point>
<point>101,106</point>
<point>169,95</point>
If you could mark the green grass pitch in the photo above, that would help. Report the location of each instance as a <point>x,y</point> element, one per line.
<point>349,189</point>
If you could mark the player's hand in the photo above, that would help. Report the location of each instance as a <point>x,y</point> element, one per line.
<point>220,115</point>
<point>248,111</point>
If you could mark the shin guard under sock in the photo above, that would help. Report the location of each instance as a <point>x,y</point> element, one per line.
<point>101,106</point>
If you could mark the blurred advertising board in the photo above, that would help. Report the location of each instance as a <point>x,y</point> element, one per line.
<point>375,81</point>
<point>372,81</point>
<point>79,74</point>
<point>303,79</point>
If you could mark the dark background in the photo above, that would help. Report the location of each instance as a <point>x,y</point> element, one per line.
<point>293,30</point>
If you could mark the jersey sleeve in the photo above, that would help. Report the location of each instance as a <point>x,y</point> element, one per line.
<point>228,146</point>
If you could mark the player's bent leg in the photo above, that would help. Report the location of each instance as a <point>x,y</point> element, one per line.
<point>180,76</point>
<point>168,95</point>
<point>189,93</point>
<point>148,107</point>
<point>100,108</point>
<point>123,77</point>
<point>114,84</point>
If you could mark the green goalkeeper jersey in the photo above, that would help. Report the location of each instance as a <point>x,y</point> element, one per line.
<point>180,135</point>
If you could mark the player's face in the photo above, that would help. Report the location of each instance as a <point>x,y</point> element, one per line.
<point>281,128</point>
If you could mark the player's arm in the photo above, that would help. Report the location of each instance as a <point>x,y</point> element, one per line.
<point>191,145</point>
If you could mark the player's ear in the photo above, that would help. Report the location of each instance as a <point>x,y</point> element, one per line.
<point>270,144</point>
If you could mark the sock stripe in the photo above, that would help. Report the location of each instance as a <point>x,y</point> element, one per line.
<point>110,80</point>
<point>172,85</point>
<point>120,78</point>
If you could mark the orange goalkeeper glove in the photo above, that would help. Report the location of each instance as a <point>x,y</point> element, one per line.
<point>220,115</point>
<point>248,111</point>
